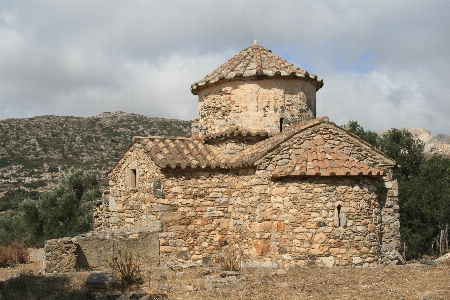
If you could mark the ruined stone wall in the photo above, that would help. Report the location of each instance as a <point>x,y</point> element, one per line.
<point>94,251</point>
<point>257,104</point>
<point>127,205</point>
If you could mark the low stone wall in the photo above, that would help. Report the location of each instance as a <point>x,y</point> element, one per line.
<point>60,255</point>
<point>93,251</point>
<point>36,255</point>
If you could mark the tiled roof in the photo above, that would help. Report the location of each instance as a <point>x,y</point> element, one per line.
<point>177,152</point>
<point>255,62</point>
<point>235,131</point>
<point>249,156</point>
<point>324,162</point>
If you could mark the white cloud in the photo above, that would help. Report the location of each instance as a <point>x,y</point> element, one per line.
<point>385,63</point>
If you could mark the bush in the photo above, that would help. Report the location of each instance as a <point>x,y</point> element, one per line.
<point>231,259</point>
<point>12,199</point>
<point>66,210</point>
<point>13,254</point>
<point>127,264</point>
<point>35,184</point>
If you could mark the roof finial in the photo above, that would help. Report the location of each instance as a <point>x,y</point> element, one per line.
<point>255,42</point>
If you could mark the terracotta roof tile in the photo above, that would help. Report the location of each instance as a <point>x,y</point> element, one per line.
<point>255,62</point>
<point>179,152</point>
<point>236,131</point>
<point>315,162</point>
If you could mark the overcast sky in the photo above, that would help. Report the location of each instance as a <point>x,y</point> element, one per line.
<point>384,63</point>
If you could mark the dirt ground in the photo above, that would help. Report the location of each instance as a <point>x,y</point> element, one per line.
<point>393,282</point>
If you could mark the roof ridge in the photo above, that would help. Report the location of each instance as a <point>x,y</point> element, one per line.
<point>259,149</point>
<point>257,62</point>
<point>160,137</point>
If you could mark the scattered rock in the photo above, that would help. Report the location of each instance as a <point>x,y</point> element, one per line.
<point>160,276</point>
<point>281,272</point>
<point>103,283</point>
<point>229,274</point>
<point>443,259</point>
<point>430,262</point>
<point>155,297</point>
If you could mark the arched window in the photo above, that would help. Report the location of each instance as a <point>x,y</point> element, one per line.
<point>340,219</point>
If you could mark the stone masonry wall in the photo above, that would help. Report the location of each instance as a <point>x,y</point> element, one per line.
<point>255,104</point>
<point>231,146</point>
<point>93,251</point>
<point>126,205</point>
<point>288,221</point>
<point>327,136</point>
<point>291,222</point>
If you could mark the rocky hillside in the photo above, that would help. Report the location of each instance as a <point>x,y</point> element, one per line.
<point>35,151</point>
<point>434,144</point>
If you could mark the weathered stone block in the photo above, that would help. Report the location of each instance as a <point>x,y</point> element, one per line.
<point>328,261</point>
<point>260,247</point>
<point>104,283</point>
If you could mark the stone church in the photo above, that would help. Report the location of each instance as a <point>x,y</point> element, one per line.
<point>260,173</point>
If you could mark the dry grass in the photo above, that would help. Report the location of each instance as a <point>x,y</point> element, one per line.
<point>231,259</point>
<point>395,282</point>
<point>127,264</point>
<point>13,254</point>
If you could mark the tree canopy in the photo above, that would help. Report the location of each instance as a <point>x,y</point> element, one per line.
<point>424,186</point>
<point>66,210</point>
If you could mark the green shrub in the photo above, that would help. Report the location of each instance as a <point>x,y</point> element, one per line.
<point>12,199</point>
<point>35,184</point>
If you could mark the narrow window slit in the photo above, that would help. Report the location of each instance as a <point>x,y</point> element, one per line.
<point>133,178</point>
<point>338,216</point>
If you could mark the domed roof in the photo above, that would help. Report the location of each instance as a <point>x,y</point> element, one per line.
<point>255,62</point>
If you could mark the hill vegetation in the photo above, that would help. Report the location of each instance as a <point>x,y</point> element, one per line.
<point>35,152</point>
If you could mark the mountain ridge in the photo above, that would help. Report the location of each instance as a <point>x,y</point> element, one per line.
<point>35,152</point>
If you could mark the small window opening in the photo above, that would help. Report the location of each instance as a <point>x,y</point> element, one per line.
<point>339,221</point>
<point>133,178</point>
<point>281,124</point>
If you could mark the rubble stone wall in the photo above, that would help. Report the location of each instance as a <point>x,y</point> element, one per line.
<point>94,251</point>
<point>335,220</point>
<point>126,206</point>
<point>291,221</point>
<point>255,104</point>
